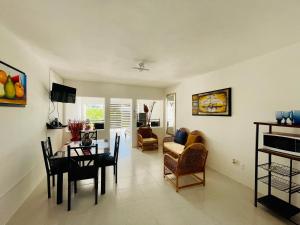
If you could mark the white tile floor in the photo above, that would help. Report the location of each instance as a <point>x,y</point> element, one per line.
<point>143,197</point>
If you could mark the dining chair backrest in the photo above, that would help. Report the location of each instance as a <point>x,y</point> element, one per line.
<point>47,153</point>
<point>117,147</point>
<point>92,134</point>
<point>74,163</point>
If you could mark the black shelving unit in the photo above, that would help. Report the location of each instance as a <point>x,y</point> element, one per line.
<point>278,176</point>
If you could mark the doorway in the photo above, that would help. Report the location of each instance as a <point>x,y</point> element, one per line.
<point>120,113</point>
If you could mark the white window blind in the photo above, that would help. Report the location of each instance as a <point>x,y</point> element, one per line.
<point>120,115</point>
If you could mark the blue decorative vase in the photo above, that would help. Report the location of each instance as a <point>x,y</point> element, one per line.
<point>286,116</point>
<point>279,116</point>
<point>296,117</point>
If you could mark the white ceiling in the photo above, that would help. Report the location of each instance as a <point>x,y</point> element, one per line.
<point>100,40</point>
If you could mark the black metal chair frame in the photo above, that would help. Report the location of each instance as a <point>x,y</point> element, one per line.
<point>115,157</point>
<point>80,171</point>
<point>47,154</point>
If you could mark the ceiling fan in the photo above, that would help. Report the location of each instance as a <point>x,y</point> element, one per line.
<point>141,67</point>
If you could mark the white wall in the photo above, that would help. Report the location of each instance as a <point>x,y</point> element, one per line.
<point>260,86</point>
<point>108,90</point>
<point>22,129</point>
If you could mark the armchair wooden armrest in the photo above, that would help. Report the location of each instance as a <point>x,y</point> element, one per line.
<point>140,138</point>
<point>154,136</point>
<point>170,163</point>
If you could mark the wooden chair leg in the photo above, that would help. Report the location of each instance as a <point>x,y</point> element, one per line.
<point>164,172</point>
<point>204,178</point>
<point>114,170</point>
<point>176,183</point>
<point>69,195</point>
<point>48,186</point>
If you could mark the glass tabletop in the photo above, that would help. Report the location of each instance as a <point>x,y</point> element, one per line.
<point>79,150</point>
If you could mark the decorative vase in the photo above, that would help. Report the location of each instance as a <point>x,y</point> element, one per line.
<point>75,127</point>
<point>75,138</point>
<point>279,116</point>
<point>296,117</point>
<point>86,140</point>
<point>286,115</point>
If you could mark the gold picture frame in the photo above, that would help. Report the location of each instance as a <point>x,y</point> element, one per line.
<point>212,103</point>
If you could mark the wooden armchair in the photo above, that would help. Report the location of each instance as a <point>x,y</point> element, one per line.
<point>146,140</point>
<point>191,161</point>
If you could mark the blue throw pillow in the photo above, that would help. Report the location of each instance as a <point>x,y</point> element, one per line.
<point>180,137</point>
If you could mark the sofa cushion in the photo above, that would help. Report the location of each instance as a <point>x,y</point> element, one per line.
<point>174,147</point>
<point>194,137</point>
<point>180,137</point>
<point>149,140</point>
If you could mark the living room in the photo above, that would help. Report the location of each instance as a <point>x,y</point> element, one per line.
<point>142,52</point>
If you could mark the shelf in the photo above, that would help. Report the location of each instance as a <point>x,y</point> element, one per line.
<point>277,124</point>
<point>280,169</point>
<point>280,153</point>
<point>49,127</point>
<point>280,184</point>
<point>278,206</point>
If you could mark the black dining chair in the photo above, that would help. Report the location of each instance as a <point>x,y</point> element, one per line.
<point>80,171</point>
<point>113,160</point>
<point>51,167</point>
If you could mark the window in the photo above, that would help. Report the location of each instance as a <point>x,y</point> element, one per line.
<point>92,108</point>
<point>156,119</point>
<point>93,112</point>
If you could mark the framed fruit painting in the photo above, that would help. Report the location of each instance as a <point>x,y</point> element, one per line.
<point>13,86</point>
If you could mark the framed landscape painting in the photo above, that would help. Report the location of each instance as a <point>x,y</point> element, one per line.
<point>13,86</point>
<point>213,103</point>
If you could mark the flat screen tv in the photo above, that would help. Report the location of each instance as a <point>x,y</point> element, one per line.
<point>62,93</point>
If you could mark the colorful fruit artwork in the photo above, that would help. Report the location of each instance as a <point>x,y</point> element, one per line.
<point>13,85</point>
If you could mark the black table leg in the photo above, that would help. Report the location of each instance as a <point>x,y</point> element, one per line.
<point>102,180</point>
<point>59,190</point>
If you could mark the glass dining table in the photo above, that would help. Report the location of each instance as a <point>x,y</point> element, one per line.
<point>60,160</point>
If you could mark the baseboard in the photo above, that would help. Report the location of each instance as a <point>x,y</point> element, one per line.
<point>16,196</point>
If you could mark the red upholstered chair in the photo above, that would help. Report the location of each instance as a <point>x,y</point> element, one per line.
<point>146,139</point>
<point>190,162</point>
